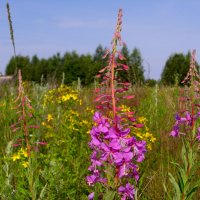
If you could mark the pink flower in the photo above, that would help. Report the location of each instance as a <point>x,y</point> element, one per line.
<point>127,192</point>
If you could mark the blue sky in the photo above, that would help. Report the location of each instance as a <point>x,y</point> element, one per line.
<point>158,28</point>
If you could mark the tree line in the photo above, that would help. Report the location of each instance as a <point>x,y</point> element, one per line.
<point>74,66</point>
<point>86,66</point>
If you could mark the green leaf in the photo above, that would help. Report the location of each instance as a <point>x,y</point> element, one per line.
<point>110,195</point>
<point>136,194</point>
<point>96,196</point>
<point>176,186</point>
<point>182,179</point>
<point>140,183</point>
<point>182,176</point>
<point>165,189</point>
<point>183,155</point>
<point>42,193</point>
<point>191,193</point>
<point>195,186</point>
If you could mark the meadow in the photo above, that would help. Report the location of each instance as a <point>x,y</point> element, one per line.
<point>57,168</point>
<point>108,141</point>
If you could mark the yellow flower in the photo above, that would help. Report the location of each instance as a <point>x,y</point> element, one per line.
<point>138,134</point>
<point>84,122</point>
<point>25,164</point>
<point>24,153</point>
<point>149,146</point>
<point>43,123</point>
<point>16,157</point>
<point>153,139</point>
<point>49,117</point>
<point>147,134</point>
<point>125,108</point>
<point>142,119</point>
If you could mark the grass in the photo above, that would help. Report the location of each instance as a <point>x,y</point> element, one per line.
<point>58,170</point>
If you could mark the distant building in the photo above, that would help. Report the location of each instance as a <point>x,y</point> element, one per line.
<point>5,79</point>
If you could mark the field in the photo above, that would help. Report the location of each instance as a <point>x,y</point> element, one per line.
<point>120,137</point>
<point>58,163</point>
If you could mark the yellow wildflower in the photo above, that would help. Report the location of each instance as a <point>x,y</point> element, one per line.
<point>43,123</point>
<point>84,122</point>
<point>125,108</point>
<point>147,135</point>
<point>49,117</point>
<point>24,153</point>
<point>25,164</point>
<point>149,146</point>
<point>142,119</point>
<point>153,139</point>
<point>16,157</point>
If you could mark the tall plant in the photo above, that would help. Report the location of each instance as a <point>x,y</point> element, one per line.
<point>187,127</point>
<point>24,125</point>
<point>115,152</point>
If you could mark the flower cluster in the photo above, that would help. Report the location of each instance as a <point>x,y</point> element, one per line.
<point>22,156</point>
<point>186,118</point>
<point>115,152</point>
<point>61,95</point>
<point>185,124</point>
<point>144,133</point>
<point>112,145</point>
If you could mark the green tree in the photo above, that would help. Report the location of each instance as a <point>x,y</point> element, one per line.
<point>175,69</point>
<point>99,62</point>
<point>87,72</point>
<point>71,66</point>
<point>123,74</point>
<point>35,68</point>
<point>136,69</point>
<point>150,82</point>
<point>21,62</point>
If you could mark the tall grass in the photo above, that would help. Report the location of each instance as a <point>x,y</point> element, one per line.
<point>61,167</point>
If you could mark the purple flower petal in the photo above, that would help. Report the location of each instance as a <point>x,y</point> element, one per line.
<point>97,117</point>
<point>118,157</point>
<point>198,137</point>
<point>115,144</point>
<point>95,141</point>
<point>127,192</point>
<point>91,179</point>
<point>121,189</point>
<point>112,134</point>
<point>91,196</point>
<point>122,171</point>
<point>128,156</point>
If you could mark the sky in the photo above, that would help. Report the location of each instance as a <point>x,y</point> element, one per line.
<point>157,28</point>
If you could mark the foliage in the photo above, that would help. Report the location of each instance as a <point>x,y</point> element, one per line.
<point>73,65</point>
<point>176,68</point>
<point>187,125</point>
<point>150,82</point>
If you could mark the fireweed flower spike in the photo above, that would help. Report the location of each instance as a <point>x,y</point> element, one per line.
<point>187,127</point>
<point>186,118</point>
<point>115,152</point>
<point>24,111</point>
